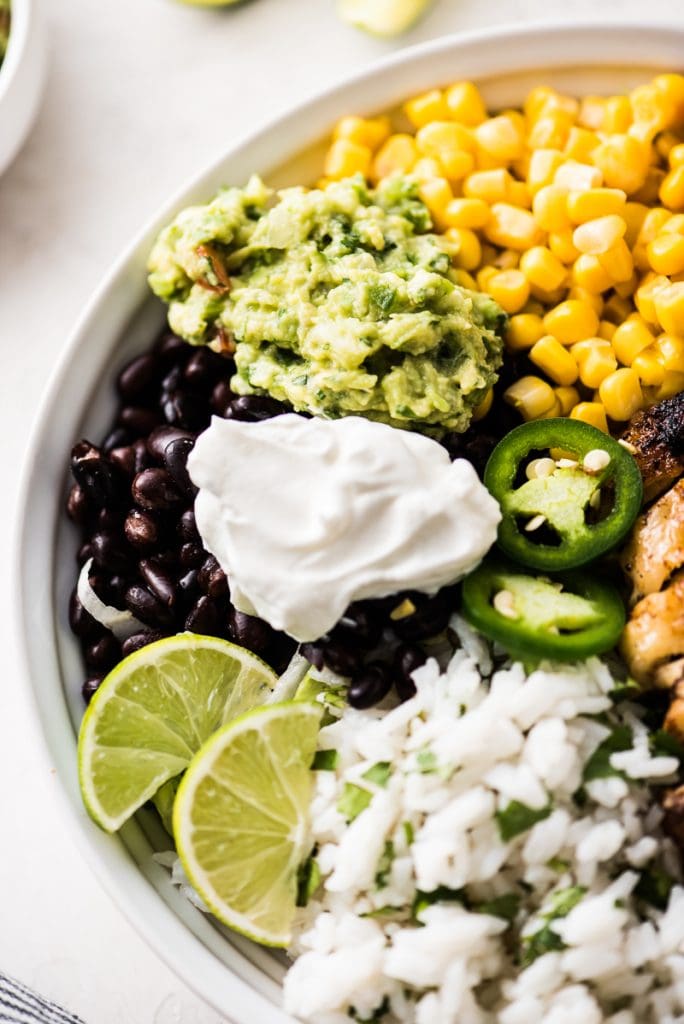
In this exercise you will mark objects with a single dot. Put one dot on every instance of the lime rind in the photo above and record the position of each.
(153, 712)
(240, 818)
(382, 17)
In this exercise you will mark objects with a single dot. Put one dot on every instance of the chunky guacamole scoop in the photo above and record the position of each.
(337, 300)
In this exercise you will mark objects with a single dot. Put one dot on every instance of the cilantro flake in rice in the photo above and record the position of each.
(490, 851)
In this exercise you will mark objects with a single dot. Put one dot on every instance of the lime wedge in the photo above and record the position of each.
(382, 17)
(240, 819)
(154, 711)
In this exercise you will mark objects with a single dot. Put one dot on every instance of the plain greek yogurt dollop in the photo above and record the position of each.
(308, 515)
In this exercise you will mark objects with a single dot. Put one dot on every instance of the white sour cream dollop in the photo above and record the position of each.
(308, 515)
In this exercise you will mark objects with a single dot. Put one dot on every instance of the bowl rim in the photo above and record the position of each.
(640, 41)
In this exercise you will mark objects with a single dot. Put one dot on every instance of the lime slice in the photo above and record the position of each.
(154, 711)
(240, 819)
(382, 17)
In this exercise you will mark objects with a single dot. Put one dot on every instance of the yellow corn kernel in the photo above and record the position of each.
(555, 409)
(551, 130)
(508, 259)
(666, 253)
(465, 104)
(542, 166)
(561, 245)
(675, 225)
(588, 273)
(631, 338)
(465, 248)
(669, 303)
(567, 398)
(672, 385)
(426, 168)
(512, 228)
(591, 298)
(617, 308)
(543, 98)
(621, 394)
(510, 288)
(481, 410)
(595, 359)
(429, 106)
(670, 351)
(523, 331)
(650, 190)
(634, 215)
(672, 189)
(549, 207)
(577, 177)
(623, 161)
(649, 367)
(617, 115)
(627, 288)
(556, 362)
(436, 194)
(531, 397)
(346, 158)
(665, 143)
(652, 225)
(593, 203)
(672, 87)
(437, 135)
(462, 277)
(676, 155)
(581, 144)
(606, 329)
(542, 269)
(397, 154)
(457, 163)
(490, 186)
(502, 138)
(644, 297)
(371, 131)
(484, 276)
(598, 236)
(519, 194)
(591, 111)
(592, 413)
(652, 113)
(535, 308)
(617, 261)
(467, 213)
(571, 321)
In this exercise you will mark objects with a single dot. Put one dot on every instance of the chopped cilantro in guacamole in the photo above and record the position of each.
(338, 300)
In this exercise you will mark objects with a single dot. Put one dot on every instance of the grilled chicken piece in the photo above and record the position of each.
(656, 437)
(654, 635)
(656, 546)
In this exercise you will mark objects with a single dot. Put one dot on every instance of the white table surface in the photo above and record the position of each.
(140, 95)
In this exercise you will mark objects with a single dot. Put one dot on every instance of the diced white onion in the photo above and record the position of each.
(121, 622)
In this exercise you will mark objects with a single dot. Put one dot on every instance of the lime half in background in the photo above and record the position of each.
(154, 711)
(382, 17)
(240, 819)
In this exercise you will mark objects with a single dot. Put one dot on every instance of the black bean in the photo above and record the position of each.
(359, 627)
(199, 369)
(116, 438)
(163, 436)
(84, 553)
(137, 376)
(431, 616)
(279, 653)
(138, 420)
(170, 348)
(176, 458)
(172, 379)
(187, 527)
(192, 555)
(184, 410)
(109, 552)
(204, 617)
(212, 579)
(78, 508)
(138, 640)
(154, 489)
(89, 687)
(82, 623)
(188, 585)
(97, 478)
(140, 529)
(146, 607)
(221, 397)
(252, 408)
(249, 631)
(103, 654)
(108, 519)
(339, 658)
(313, 654)
(124, 459)
(371, 684)
(158, 580)
(407, 658)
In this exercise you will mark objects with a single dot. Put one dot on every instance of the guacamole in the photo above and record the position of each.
(336, 300)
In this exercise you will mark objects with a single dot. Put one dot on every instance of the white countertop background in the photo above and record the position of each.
(140, 95)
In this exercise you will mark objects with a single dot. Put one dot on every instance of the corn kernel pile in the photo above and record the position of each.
(571, 215)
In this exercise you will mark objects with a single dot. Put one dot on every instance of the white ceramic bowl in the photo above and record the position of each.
(21, 77)
(237, 977)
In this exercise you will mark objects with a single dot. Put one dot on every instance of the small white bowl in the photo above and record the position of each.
(236, 976)
(22, 74)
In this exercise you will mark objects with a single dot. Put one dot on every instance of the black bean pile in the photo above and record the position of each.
(132, 502)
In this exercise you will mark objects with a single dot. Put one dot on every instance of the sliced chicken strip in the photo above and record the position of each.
(656, 547)
(654, 634)
(656, 438)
